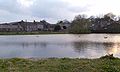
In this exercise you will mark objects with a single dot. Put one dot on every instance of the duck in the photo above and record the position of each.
(105, 37)
(37, 36)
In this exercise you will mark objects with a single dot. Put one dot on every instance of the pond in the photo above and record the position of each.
(59, 45)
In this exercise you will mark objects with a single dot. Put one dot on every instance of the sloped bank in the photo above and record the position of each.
(103, 64)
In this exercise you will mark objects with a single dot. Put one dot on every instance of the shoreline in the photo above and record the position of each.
(30, 33)
(42, 33)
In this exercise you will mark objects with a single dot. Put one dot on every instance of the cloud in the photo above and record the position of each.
(55, 9)
(51, 10)
(26, 3)
(10, 6)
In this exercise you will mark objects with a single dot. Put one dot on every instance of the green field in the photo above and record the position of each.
(106, 64)
(30, 33)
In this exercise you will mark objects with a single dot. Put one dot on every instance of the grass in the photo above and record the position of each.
(30, 33)
(103, 64)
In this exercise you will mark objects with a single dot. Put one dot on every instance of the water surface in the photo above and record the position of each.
(59, 45)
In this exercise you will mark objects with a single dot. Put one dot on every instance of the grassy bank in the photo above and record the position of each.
(46, 32)
(29, 33)
(60, 65)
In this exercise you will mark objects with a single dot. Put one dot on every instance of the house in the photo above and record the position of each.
(21, 26)
(52, 27)
(24, 26)
(10, 27)
(64, 24)
(46, 25)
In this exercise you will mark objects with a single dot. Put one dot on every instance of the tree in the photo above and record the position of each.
(59, 22)
(64, 27)
(57, 28)
(109, 16)
(63, 22)
(80, 24)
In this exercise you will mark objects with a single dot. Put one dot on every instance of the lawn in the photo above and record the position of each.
(104, 64)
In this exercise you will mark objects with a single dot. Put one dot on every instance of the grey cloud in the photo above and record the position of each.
(10, 6)
(78, 9)
(48, 9)
(54, 9)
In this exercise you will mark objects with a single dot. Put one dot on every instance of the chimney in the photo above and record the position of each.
(34, 21)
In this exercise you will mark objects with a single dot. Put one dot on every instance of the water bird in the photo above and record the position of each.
(105, 37)
(111, 55)
(37, 36)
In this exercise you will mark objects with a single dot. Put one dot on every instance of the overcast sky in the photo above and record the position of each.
(54, 10)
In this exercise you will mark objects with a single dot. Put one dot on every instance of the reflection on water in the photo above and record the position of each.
(67, 45)
(90, 50)
(112, 48)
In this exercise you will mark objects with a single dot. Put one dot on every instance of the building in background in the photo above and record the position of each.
(24, 26)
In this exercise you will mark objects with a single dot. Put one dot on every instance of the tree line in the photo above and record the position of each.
(108, 23)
